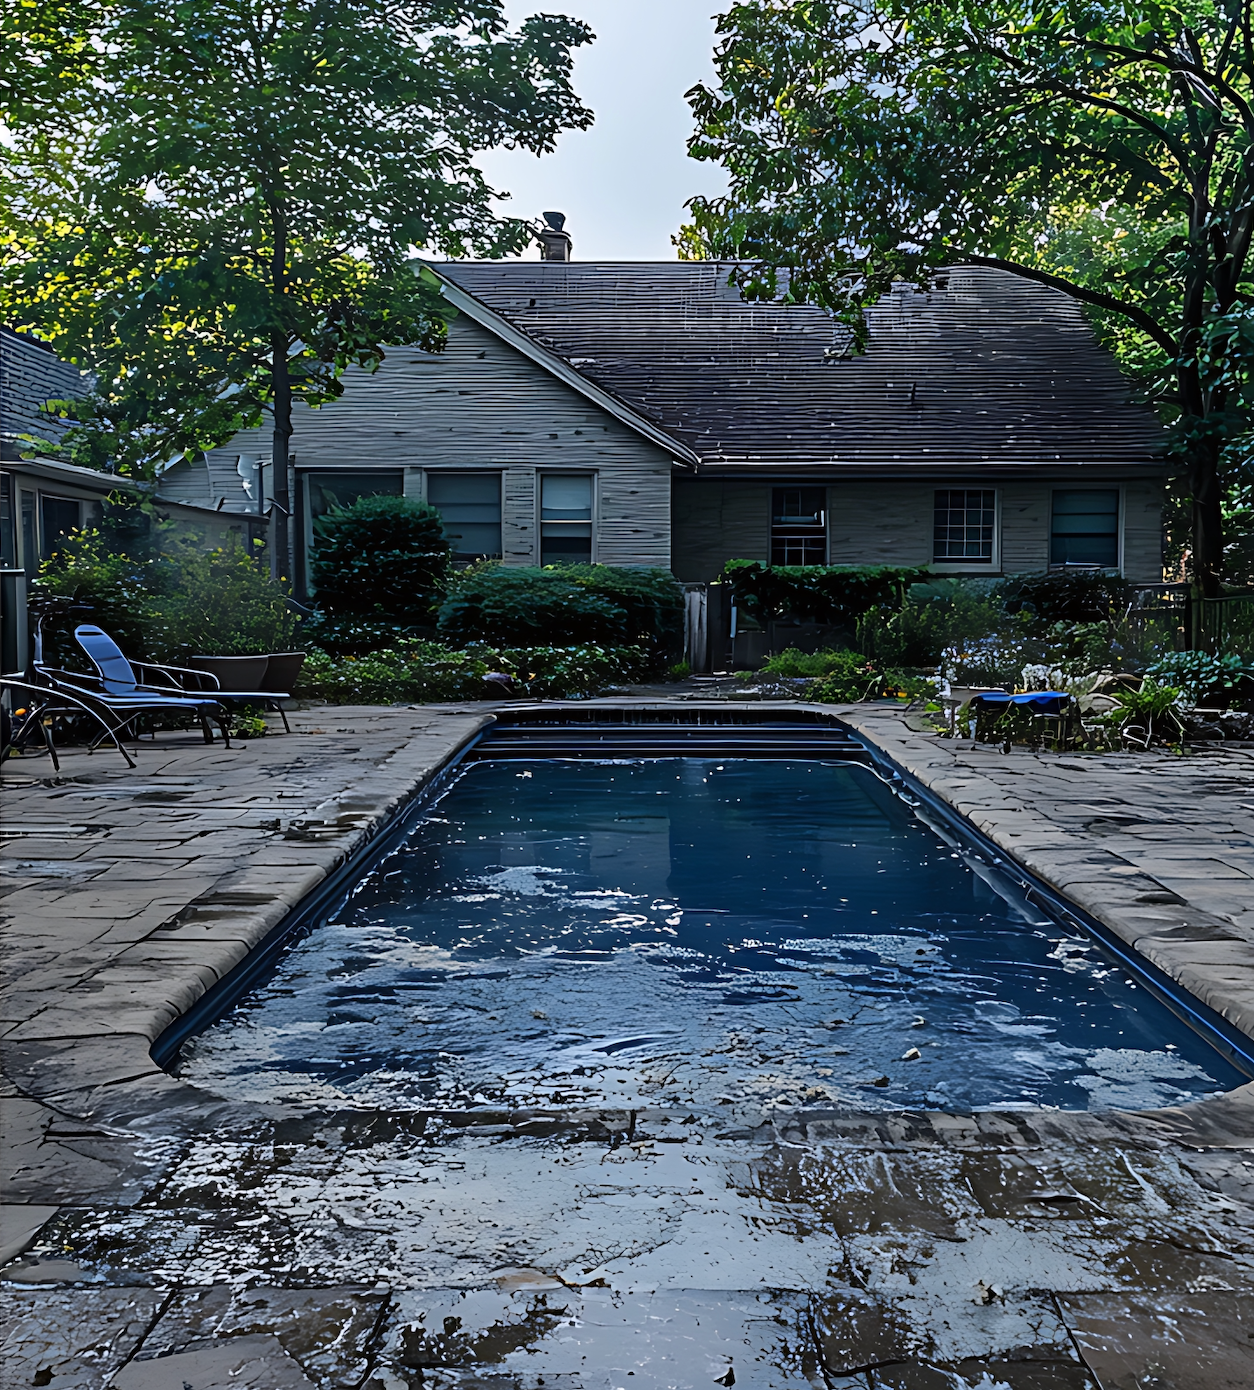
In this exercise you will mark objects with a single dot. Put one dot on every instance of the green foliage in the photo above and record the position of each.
(1103, 150)
(1085, 597)
(213, 206)
(427, 672)
(1151, 707)
(382, 557)
(652, 600)
(351, 636)
(595, 604)
(216, 603)
(845, 677)
(936, 615)
(820, 593)
(1203, 677)
(105, 587)
(186, 602)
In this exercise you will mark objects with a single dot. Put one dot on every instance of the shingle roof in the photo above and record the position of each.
(986, 369)
(30, 375)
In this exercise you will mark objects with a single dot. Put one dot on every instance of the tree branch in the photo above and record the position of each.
(1148, 325)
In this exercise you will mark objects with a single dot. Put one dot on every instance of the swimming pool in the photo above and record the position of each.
(686, 932)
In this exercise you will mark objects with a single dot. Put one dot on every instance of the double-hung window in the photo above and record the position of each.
(798, 526)
(1085, 528)
(565, 518)
(470, 507)
(964, 530)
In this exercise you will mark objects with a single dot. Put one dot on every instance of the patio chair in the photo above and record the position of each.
(35, 709)
(1042, 705)
(117, 697)
(185, 681)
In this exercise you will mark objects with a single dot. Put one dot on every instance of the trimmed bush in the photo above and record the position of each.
(835, 594)
(526, 606)
(1046, 599)
(381, 558)
(427, 672)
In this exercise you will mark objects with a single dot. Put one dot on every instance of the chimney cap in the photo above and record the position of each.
(555, 242)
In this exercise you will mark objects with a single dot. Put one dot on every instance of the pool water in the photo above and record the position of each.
(743, 935)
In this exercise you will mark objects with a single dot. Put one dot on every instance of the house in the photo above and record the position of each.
(43, 498)
(644, 414)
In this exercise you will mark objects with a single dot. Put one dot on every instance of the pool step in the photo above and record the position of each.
(592, 740)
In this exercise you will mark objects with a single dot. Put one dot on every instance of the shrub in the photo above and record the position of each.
(936, 615)
(111, 590)
(532, 606)
(347, 635)
(1082, 597)
(652, 599)
(382, 557)
(820, 593)
(427, 672)
(844, 677)
(217, 603)
(1203, 677)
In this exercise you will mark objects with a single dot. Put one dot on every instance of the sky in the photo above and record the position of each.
(623, 182)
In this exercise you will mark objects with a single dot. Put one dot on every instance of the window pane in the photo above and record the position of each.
(470, 505)
(965, 521)
(1085, 529)
(60, 516)
(565, 497)
(798, 526)
(565, 518)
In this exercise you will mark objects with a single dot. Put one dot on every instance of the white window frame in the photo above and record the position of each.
(971, 567)
(541, 474)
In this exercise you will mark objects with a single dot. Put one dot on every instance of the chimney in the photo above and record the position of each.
(554, 241)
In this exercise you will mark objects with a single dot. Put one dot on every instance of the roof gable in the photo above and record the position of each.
(985, 369)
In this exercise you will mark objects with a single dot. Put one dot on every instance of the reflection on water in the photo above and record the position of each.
(697, 934)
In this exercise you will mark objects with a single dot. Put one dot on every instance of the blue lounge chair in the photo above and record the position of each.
(117, 695)
(108, 659)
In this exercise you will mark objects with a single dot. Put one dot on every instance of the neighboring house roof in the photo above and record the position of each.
(31, 374)
(986, 368)
(70, 476)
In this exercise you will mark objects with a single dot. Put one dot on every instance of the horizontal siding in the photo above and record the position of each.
(1025, 513)
(1143, 531)
(717, 520)
(482, 404)
(873, 523)
(518, 516)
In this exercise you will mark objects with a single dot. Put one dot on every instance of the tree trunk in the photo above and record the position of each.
(1208, 539)
(280, 516)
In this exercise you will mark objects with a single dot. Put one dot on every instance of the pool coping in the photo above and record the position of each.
(1233, 1039)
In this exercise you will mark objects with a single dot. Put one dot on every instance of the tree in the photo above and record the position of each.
(212, 203)
(1101, 149)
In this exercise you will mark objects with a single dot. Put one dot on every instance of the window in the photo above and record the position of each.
(965, 526)
(1085, 529)
(60, 516)
(30, 539)
(319, 492)
(565, 518)
(8, 524)
(470, 506)
(798, 526)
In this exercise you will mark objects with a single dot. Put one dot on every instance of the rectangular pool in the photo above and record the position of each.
(686, 932)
